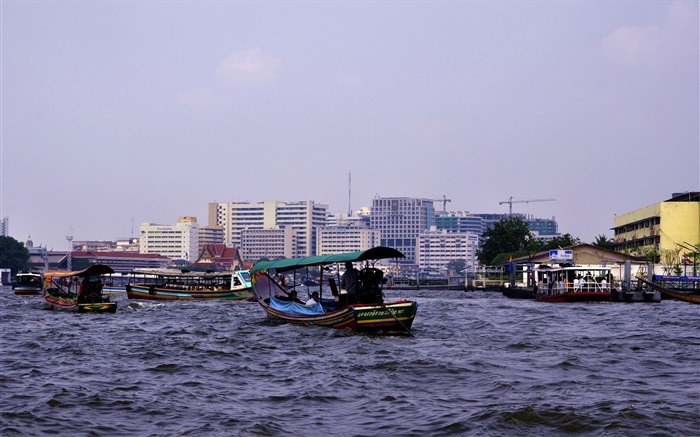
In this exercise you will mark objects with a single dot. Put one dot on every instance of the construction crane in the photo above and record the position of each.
(510, 202)
(444, 201)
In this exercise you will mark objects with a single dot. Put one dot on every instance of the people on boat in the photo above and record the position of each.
(349, 282)
(313, 300)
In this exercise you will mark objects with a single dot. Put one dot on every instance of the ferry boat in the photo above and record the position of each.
(573, 284)
(172, 284)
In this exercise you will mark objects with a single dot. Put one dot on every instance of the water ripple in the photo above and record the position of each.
(479, 364)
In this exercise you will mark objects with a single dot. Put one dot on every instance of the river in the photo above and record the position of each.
(479, 364)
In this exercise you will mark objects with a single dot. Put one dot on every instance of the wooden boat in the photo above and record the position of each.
(28, 284)
(79, 291)
(573, 284)
(171, 284)
(114, 284)
(685, 297)
(369, 315)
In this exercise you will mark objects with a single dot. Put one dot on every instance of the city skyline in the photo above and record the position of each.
(117, 113)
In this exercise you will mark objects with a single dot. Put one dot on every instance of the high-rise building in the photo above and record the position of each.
(346, 238)
(272, 244)
(302, 217)
(400, 220)
(436, 248)
(178, 241)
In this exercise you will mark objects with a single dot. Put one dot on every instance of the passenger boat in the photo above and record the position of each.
(171, 284)
(573, 284)
(369, 315)
(115, 283)
(79, 291)
(28, 284)
(674, 294)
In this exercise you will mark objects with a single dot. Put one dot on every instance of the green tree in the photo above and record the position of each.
(13, 254)
(565, 240)
(510, 236)
(604, 242)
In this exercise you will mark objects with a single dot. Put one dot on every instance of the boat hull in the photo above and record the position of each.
(70, 303)
(576, 296)
(27, 291)
(366, 318)
(154, 293)
(685, 297)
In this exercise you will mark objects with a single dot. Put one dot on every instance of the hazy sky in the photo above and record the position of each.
(118, 113)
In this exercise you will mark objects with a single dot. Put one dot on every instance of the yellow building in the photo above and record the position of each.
(673, 224)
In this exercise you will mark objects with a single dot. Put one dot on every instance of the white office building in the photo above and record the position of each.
(338, 239)
(400, 221)
(302, 217)
(268, 243)
(178, 241)
(436, 248)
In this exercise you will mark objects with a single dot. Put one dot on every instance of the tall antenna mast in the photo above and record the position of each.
(69, 259)
(349, 194)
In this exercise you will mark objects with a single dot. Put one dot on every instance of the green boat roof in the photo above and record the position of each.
(283, 265)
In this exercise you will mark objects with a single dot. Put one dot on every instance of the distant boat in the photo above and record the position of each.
(28, 284)
(172, 284)
(79, 291)
(370, 315)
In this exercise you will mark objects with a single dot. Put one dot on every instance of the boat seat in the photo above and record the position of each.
(334, 286)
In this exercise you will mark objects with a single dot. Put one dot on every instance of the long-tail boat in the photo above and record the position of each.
(686, 297)
(79, 291)
(366, 312)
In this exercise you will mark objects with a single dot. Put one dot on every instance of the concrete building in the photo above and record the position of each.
(178, 241)
(460, 221)
(272, 244)
(302, 217)
(349, 238)
(401, 220)
(672, 224)
(210, 235)
(436, 248)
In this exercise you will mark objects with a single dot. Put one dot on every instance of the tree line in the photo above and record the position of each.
(511, 237)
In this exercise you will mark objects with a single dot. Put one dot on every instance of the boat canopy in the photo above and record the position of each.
(93, 270)
(283, 265)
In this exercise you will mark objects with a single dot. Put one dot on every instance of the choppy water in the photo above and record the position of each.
(479, 364)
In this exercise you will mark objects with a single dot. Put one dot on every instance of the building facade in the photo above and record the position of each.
(178, 241)
(210, 235)
(303, 217)
(436, 248)
(672, 224)
(338, 239)
(269, 243)
(400, 220)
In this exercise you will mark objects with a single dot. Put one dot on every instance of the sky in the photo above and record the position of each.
(115, 113)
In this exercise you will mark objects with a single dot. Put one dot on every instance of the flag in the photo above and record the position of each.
(510, 263)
